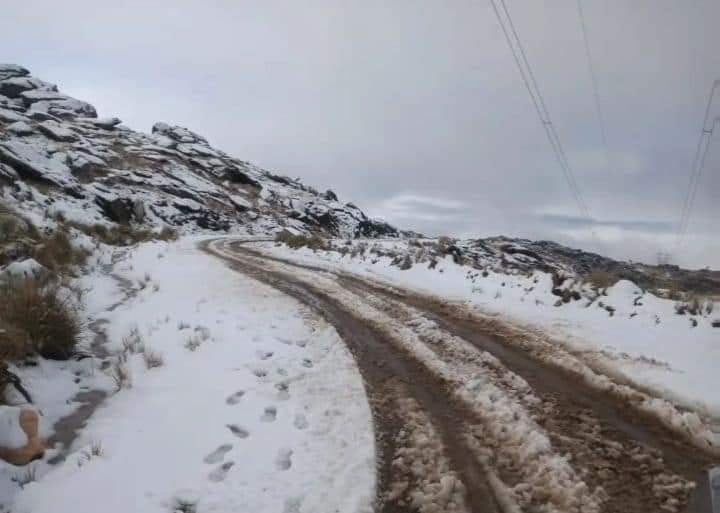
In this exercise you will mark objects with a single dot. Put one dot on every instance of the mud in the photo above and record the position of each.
(634, 463)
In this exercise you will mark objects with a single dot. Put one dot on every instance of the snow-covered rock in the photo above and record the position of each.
(95, 168)
(25, 269)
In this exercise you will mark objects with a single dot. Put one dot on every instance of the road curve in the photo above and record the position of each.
(466, 421)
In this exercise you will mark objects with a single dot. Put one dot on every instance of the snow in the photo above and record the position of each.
(11, 434)
(25, 268)
(258, 405)
(20, 128)
(10, 116)
(57, 131)
(646, 343)
(36, 158)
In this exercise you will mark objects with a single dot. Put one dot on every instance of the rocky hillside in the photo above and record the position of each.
(58, 159)
(526, 256)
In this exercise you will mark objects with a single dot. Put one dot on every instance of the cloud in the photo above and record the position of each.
(375, 99)
(638, 225)
(412, 207)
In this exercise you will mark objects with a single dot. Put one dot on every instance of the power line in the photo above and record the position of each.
(528, 77)
(593, 79)
(698, 164)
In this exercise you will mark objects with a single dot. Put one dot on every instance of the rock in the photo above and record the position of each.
(106, 123)
(20, 442)
(11, 71)
(240, 203)
(330, 195)
(9, 116)
(57, 131)
(31, 161)
(177, 133)
(20, 128)
(139, 211)
(83, 163)
(235, 175)
(42, 116)
(7, 172)
(15, 87)
(65, 108)
(119, 210)
(24, 269)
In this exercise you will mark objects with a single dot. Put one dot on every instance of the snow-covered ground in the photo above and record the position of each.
(644, 339)
(256, 404)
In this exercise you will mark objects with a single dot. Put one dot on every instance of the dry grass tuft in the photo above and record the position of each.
(602, 279)
(41, 316)
(153, 359)
(294, 241)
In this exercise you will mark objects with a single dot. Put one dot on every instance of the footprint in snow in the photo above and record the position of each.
(218, 454)
(292, 505)
(300, 421)
(221, 472)
(307, 362)
(238, 431)
(269, 415)
(282, 461)
(283, 390)
(301, 343)
(264, 355)
(260, 373)
(235, 398)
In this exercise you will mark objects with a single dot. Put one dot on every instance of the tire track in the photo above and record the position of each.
(395, 381)
(633, 463)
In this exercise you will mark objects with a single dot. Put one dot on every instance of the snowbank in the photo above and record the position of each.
(256, 404)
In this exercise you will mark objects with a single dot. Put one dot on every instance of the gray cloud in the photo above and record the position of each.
(577, 222)
(388, 100)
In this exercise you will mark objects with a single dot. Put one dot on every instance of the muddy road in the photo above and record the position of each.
(470, 417)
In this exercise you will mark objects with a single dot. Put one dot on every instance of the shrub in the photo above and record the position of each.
(168, 234)
(120, 374)
(192, 343)
(715, 323)
(602, 279)
(119, 235)
(294, 241)
(153, 359)
(58, 253)
(13, 343)
(42, 314)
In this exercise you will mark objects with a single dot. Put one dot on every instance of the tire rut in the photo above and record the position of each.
(392, 378)
(640, 465)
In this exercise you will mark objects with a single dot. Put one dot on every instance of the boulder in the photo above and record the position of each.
(106, 123)
(16, 86)
(20, 441)
(29, 268)
(235, 175)
(119, 210)
(11, 71)
(177, 133)
(57, 131)
(20, 128)
(32, 161)
(9, 116)
(62, 108)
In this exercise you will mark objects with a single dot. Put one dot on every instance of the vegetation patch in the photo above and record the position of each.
(297, 241)
(39, 315)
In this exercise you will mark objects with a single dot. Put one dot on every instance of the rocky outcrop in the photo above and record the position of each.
(55, 151)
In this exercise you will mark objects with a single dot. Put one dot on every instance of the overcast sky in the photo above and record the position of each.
(414, 110)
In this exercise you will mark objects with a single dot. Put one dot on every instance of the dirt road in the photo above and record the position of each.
(470, 417)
